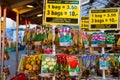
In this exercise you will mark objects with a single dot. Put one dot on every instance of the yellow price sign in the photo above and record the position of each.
(84, 22)
(104, 19)
(62, 12)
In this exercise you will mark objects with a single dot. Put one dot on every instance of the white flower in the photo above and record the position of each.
(52, 59)
(46, 66)
(51, 68)
(47, 59)
(54, 63)
(49, 63)
(43, 63)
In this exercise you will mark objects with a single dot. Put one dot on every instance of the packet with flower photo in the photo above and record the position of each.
(48, 64)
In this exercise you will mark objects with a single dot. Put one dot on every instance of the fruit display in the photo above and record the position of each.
(30, 63)
(48, 64)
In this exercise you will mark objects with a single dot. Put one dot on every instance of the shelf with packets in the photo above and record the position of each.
(59, 65)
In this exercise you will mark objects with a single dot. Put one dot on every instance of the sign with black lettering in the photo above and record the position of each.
(62, 12)
(107, 19)
(84, 22)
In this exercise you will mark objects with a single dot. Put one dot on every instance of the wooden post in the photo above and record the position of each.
(0, 39)
(3, 40)
(0, 30)
(17, 26)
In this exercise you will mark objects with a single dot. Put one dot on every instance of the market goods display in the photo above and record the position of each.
(34, 35)
(65, 36)
(48, 51)
(115, 65)
(89, 63)
(48, 64)
(30, 63)
(6, 71)
(27, 35)
(84, 38)
(104, 61)
(73, 65)
(110, 38)
(6, 55)
(98, 38)
(64, 77)
(118, 42)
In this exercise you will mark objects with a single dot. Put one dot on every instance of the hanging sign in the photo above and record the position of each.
(107, 19)
(104, 61)
(84, 23)
(62, 12)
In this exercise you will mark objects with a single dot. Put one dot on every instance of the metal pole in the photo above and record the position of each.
(0, 39)
(53, 38)
(43, 18)
(3, 40)
(17, 26)
(103, 52)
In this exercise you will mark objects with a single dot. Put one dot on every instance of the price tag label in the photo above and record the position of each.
(107, 19)
(62, 12)
(84, 23)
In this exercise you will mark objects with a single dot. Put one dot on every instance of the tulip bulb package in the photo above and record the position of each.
(110, 39)
(73, 63)
(98, 38)
(104, 61)
(65, 36)
(48, 64)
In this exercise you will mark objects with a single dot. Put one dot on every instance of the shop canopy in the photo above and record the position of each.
(32, 10)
